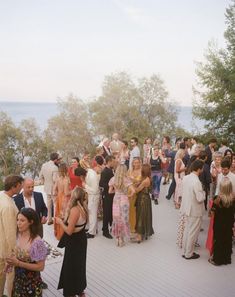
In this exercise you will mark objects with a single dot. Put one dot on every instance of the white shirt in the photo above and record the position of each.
(26, 202)
(92, 182)
(134, 153)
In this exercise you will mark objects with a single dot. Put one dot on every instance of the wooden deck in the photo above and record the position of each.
(150, 269)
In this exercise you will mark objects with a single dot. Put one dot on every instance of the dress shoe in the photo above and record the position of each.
(167, 197)
(156, 201)
(88, 235)
(107, 235)
(194, 256)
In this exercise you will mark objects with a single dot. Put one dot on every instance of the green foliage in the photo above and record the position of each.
(22, 149)
(215, 102)
(131, 109)
(70, 132)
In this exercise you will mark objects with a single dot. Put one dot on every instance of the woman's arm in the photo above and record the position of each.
(144, 184)
(72, 220)
(38, 266)
(178, 165)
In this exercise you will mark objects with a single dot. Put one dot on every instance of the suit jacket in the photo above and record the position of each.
(105, 177)
(48, 175)
(40, 205)
(192, 196)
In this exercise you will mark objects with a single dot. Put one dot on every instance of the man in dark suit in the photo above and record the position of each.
(107, 198)
(29, 198)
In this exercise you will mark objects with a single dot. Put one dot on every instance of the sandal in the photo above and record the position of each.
(212, 262)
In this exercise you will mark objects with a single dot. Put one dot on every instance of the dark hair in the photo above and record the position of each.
(33, 217)
(167, 139)
(197, 164)
(213, 140)
(195, 138)
(54, 156)
(228, 151)
(203, 155)
(182, 145)
(135, 139)
(147, 139)
(79, 171)
(185, 139)
(225, 163)
(178, 139)
(146, 171)
(109, 158)
(12, 181)
(125, 142)
(99, 160)
(76, 158)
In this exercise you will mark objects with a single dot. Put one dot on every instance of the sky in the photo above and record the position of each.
(52, 48)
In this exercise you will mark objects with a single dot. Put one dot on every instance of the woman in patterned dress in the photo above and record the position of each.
(29, 256)
(120, 184)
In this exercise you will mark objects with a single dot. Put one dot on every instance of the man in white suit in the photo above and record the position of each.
(192, 207)
(47, 177)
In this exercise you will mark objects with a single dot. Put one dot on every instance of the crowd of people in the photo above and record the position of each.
(117, 185)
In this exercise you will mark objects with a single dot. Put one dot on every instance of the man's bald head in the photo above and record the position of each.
(28, 186)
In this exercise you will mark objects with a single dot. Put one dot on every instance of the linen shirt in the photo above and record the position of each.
(8, 226)
(192, 196)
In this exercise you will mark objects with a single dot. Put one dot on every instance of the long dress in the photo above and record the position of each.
(144, 214)
(223, 233)
(62, 199)
(132, 200)
(74, 180)
(73, 272)
(28, 283)
(120, 225)
(178, 180)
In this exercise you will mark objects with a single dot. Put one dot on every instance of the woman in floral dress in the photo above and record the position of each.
(29, 256)
(120, 184)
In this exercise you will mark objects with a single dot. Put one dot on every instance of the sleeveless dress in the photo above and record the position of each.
(73, 272)
(28, 283)
(144, 214)
(62, 199)
(179, 182)
(120, 225)
(132, 200)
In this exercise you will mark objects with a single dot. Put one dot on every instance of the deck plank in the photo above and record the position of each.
(152, 268)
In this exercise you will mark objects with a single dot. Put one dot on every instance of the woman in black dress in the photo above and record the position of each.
(223, 210)
(73, 271)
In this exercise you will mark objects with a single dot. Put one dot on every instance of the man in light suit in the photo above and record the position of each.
(192, 207)
(8, 228)
(47, 177)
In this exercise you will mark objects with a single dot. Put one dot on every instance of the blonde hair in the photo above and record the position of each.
(63, 170)
(226, 192)
(119, 176)
(180, 154)
(78, 196)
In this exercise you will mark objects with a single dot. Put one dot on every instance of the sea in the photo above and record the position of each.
(42, 112)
